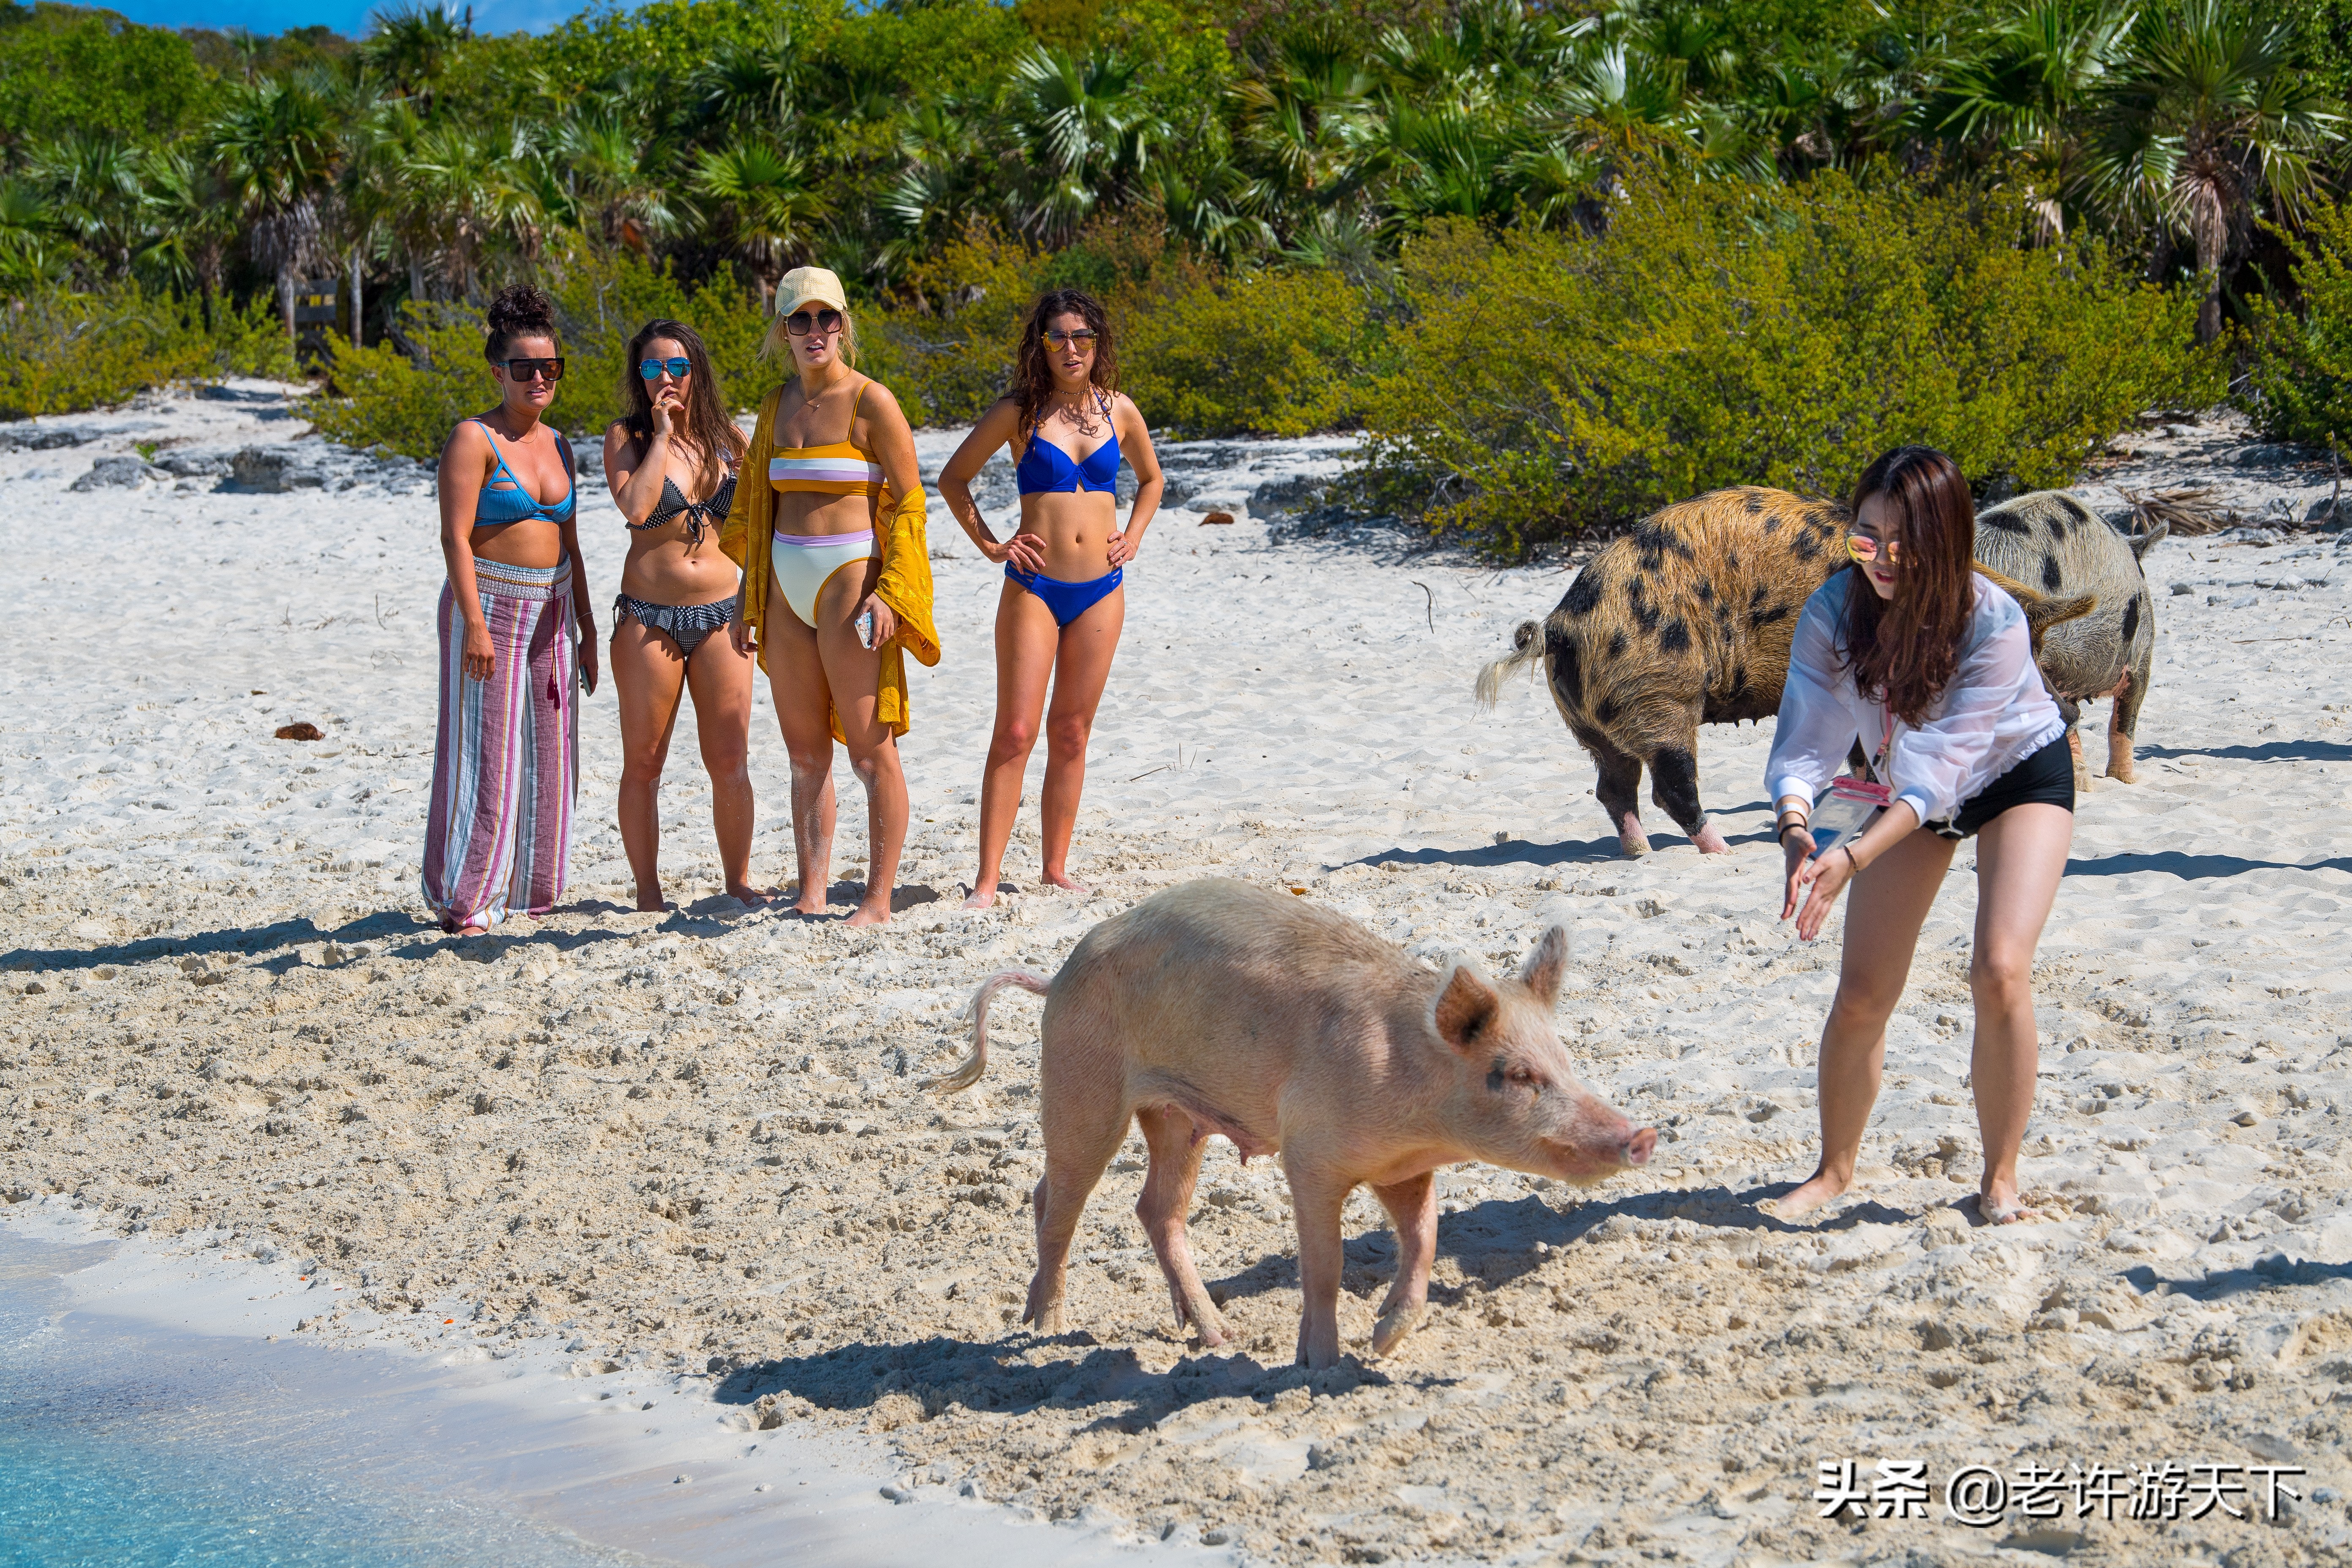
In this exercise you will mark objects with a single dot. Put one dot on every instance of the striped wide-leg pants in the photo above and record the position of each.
(505, 755)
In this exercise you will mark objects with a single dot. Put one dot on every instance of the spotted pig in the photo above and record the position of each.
(1687, 620)
(2052, 541)
(1684, 621)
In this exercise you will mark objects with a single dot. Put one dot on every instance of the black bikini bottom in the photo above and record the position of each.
(685, 624)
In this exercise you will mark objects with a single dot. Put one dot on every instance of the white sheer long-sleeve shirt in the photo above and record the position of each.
(1995, 713)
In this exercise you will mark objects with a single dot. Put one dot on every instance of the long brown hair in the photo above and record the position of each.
(706, 425)
(1033, 378)
(1907, 649)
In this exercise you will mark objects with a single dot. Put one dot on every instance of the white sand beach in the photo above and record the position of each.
(691, 1145)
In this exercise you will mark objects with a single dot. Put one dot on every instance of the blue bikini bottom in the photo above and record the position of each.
(1067, 601)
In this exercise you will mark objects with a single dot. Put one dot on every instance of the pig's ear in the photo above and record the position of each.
(1464, 1012)
(1545, 965)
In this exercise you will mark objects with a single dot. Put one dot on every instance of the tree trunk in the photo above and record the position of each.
(287, 285)
(359, 300)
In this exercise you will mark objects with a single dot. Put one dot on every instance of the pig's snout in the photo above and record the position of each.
(1641, 1146)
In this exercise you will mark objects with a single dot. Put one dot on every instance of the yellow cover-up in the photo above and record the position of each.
(748, 539)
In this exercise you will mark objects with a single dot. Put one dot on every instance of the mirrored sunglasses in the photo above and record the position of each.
(651, 369)
(532, 369)
(800, 323)
(1864, 549)
(1081, 339)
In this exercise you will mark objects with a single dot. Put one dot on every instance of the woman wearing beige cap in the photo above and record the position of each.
(829, 527)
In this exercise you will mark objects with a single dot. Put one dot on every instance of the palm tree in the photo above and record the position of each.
(769, 205)
(1306, 122)
(616, 180)
(275, 145)
(751, 85)
(466, 195)
(28, 234)
(947, 148)
(2208, 120)
(1089, 137)
(190, 221)
(411, 45)
(2025, 93)
(93, 184)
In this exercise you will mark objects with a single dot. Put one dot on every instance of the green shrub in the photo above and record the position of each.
(62, 351)
(2299, 386)
(1725, 333)
(1270, 353)
(407, 402)
(1202, 351)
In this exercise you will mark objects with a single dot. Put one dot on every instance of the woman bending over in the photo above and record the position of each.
(828, 528)
(515, 630)
(670, 462)
(1059, 615)
(1930, 665)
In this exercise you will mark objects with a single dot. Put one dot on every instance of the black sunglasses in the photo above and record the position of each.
(800, 323)
(651, 369)
(526, 369)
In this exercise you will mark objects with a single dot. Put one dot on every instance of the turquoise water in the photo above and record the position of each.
(130, 1449)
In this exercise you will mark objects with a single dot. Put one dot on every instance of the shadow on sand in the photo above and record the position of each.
(1493, 1243)
(406, 934)
(2191, 868)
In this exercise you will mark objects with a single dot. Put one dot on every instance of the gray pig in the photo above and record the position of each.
(2051, 541)
(1220, 1007)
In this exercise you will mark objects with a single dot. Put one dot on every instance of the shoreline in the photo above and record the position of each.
(526, 1430)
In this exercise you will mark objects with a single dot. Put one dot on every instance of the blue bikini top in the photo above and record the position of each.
(1045, 467)
(496, 507)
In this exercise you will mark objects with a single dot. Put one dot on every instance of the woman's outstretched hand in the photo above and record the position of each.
(1817, 881)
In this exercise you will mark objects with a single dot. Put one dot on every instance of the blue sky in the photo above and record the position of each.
(343, 16)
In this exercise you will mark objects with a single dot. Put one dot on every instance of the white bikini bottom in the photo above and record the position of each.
(804, 563)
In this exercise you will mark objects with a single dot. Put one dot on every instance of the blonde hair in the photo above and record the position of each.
(777, 346)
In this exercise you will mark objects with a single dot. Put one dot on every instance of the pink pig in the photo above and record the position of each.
(1220, 1007)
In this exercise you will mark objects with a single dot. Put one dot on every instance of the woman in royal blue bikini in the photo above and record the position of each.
(1059, 616)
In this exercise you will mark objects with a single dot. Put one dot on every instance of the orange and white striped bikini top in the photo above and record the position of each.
(837, 469)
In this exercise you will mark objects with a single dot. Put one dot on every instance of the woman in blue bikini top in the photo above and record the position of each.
(1059, 615)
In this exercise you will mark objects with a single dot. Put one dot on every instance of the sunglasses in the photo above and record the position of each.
(1083, 340)
(530, 369)
(800, 323)
(1864, 549)
(651, 369)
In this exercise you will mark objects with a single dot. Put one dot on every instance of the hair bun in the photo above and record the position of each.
(520, 311)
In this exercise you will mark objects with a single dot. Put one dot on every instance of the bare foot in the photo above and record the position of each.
(869, 915)
(803, 904)
(1709, 841)
(1066, 882)
(981, 899)
(2002, 1206)
(651, 904)
(744, 894)
(474, 927)
(1817, 1189)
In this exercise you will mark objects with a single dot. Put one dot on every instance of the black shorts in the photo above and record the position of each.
(2044, 778)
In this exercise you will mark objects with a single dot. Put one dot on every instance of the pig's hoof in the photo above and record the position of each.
(1634, 845)
(1394, 1324)
(1709, 841)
